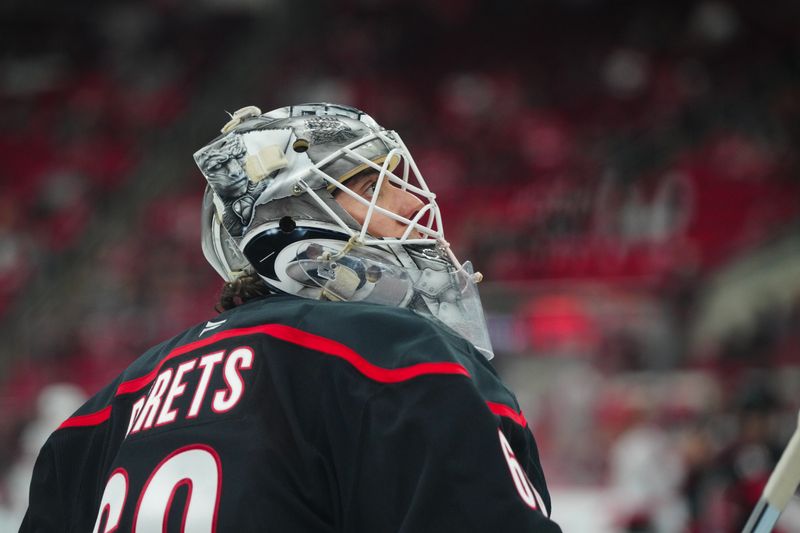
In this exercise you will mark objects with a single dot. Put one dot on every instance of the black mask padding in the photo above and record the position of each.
(263, 249)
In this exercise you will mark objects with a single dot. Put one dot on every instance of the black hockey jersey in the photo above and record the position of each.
(294, 415)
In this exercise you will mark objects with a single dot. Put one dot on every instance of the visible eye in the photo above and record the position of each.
(217, 164)
(369, 192)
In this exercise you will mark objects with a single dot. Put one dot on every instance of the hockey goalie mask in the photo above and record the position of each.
(271, 207)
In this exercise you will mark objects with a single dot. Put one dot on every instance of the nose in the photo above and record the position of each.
(235, 169)
(407, 203)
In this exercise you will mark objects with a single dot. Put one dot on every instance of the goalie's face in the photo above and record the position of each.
(389, 197)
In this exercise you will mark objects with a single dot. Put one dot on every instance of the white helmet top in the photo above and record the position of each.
(269, 208)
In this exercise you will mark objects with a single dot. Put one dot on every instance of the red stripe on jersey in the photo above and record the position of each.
(376, 373)
(504, 410)
(306, 340)
(92, 419)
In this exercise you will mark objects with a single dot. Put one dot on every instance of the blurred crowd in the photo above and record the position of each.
(601, 165)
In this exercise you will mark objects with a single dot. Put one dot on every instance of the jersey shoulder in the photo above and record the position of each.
(385, 343)
(384, 335)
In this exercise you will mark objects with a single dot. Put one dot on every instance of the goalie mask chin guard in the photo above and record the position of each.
(270, 208)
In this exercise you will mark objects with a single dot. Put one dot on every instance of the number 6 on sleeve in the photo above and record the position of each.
(524, 487)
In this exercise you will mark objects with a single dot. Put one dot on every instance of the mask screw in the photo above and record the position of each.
(373, 273)
(297, 189)
(300, 145)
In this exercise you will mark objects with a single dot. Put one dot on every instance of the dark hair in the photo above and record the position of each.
(235, 293)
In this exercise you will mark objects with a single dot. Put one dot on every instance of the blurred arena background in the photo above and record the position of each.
(625, 175)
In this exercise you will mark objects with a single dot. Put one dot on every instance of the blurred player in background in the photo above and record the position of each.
(346, 384)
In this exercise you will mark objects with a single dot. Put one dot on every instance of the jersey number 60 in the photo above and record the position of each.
(197, 466)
